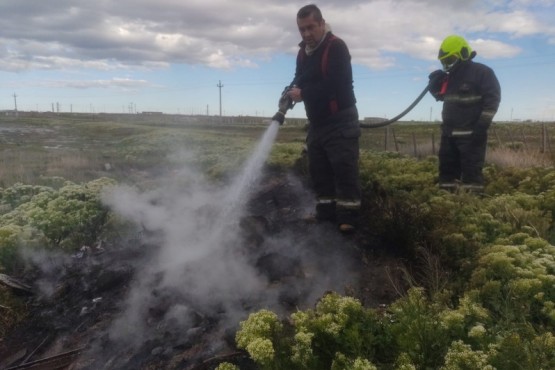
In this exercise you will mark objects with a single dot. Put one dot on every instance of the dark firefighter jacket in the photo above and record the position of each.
(470, 98)
(326, 80)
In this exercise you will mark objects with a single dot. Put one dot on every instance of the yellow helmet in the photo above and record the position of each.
(453, 49)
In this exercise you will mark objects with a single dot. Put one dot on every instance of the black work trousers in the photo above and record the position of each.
(333, 155)
(461, 159)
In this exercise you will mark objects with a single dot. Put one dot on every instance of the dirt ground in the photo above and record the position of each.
(69, 328)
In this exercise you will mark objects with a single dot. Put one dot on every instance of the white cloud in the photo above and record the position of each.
(518, 23)
(222, 34)
(490, 49)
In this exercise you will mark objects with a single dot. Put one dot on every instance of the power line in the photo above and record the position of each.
(219, 85)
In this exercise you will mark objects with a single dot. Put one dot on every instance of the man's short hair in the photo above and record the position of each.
(309, 10)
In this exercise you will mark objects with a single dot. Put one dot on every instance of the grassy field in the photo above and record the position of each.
(480, 268)
(82, 147)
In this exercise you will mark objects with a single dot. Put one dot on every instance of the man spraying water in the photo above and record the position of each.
(324, 82)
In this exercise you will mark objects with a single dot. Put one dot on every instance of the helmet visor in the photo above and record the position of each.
(449, 62)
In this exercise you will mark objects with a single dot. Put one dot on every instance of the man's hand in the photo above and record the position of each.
(289, 97)
(285, 103)
(296, 94)
(436, 77)
(484, 122)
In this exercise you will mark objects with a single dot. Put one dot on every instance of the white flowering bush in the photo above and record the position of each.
(342, 362)
(338, 334)
(516, 280)
(340, 325)
(404, 362)
(495, 306)
(14, 196)
(38, 216)
(302, 351)
(262, 324)
(528, 350)
(262, 351)
(226, 366)
(260, 335)
(461, 356)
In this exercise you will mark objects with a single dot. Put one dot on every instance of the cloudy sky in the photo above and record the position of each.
(170, 55)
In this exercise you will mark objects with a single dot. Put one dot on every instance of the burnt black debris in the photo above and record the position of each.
(71, 322)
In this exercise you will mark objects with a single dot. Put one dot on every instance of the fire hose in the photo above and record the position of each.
(400, 115)
(286, 103)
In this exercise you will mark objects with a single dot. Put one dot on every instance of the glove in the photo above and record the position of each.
(483, 123)
(437, 74)
(436, 78)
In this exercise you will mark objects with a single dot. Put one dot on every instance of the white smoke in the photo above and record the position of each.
(196, 227)
(201, 265)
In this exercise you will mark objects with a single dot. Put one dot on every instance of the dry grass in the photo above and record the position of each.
(421, 150)
(16, 166)
(501, 156)
(27, 167)
(65, 163)
(520, 158)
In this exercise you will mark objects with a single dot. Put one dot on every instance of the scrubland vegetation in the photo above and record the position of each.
(481, 268)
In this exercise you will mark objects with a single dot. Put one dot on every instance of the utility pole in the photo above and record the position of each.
(15, 101)
(219, 85)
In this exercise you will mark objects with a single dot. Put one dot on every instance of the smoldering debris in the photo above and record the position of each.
(173, 295)
(159, 303)
(222, 265)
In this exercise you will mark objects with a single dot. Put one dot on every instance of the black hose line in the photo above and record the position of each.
(399, 116)
(280, 115)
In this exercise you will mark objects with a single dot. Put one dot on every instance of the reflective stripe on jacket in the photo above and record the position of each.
(471, 98)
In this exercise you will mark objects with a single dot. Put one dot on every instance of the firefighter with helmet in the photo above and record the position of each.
(471, 94)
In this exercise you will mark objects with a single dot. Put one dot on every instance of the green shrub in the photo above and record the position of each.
(517, 281)
(337, 325)
(13, 196)
(338, 334)
(9, 244)
(262, 336)
(66, 218)
(461, 356)
(226, 366)
(418, 331)
(516, 351)
(495, 308)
